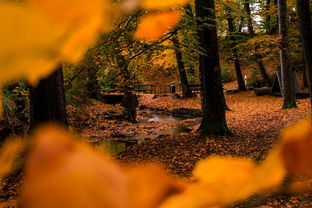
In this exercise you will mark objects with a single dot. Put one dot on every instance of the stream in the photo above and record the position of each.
(163, 118)
(115, 147)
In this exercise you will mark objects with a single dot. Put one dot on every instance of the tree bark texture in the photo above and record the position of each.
(47, 101)
(239, 75)
(93, 88)
(189, 13)
(186, 90)
(264, 74)
(271, 23)
(288, 89)
(130, 101)
(268, 17)
(251, 33)
(212, 97)
(249, 19)
(304, 13)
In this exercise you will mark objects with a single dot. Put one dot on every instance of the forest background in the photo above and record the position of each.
(139, 43)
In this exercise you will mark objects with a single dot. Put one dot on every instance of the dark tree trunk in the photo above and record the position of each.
(125, 75)
(186, 90)
(304, 13)
(249, 19)
(130, 100)
(274, 26)
(239, 75)
(264, 74)
(47, 101)
(251, 33)
(305, 81)
(92, 85)
(238, 71)
(212, 97)
(288, 89)
(268, 17)
(189, 13)
(271, 23)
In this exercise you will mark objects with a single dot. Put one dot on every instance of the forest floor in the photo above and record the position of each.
(174, 142)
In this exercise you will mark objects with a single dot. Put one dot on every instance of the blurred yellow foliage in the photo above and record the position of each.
(150, 185)
(164, 4)
(34, 41)
(153, 26)
(62, 171)
(8, 155)
(296, 148)
(37, 35)
(224, 180)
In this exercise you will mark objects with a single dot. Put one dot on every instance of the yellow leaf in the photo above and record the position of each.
(162, 4)
(82, 19)
(145, 191)
(220, 181)
(197, 195)
(213, 168)
(76, 10)
(29, 44)
(230, 178)
(153, 26)
(301, 186)
(296, 148)
(271, 172)
(62, 172)
(38, 36)
(223, 180)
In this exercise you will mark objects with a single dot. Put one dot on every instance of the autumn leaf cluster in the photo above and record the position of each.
(38, 35)
(62, 171)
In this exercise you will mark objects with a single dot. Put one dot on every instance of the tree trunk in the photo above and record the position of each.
(271, 23)
(288, 89)
(274, 28)
(249, 19)
(212, 97)
(189, 13)
(268, 17)
(239, 75)
(130, 101)
(304, 13)
(47, 101)
(264, 74)
(92, 85)
(260, 64)
(186, 90)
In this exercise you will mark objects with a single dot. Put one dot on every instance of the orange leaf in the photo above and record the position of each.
(145, 191)
(162, 4)
(62, 172)
(296, 148)
(153, 26)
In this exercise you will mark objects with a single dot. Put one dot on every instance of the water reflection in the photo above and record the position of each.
(163, 118)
